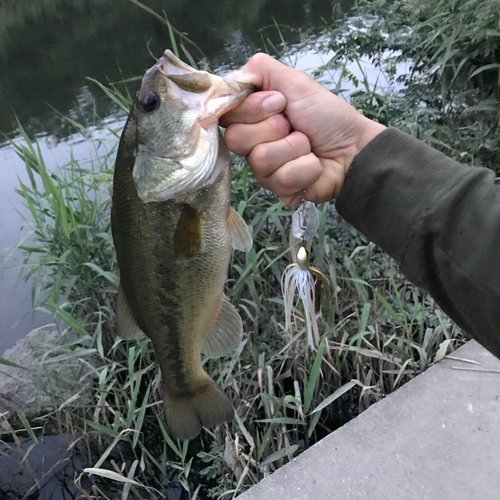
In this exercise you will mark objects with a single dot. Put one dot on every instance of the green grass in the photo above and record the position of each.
(384, 331)
(450, 95)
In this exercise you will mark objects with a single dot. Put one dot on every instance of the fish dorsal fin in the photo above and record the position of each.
(239, 233)
(125, 323)
(226, 333)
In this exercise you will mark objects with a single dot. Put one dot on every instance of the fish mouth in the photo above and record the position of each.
(220, 94)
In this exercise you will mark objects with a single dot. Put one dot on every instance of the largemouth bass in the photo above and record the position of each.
(173, 229)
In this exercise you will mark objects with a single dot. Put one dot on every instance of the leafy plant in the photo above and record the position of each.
(383, 332)
(449, 94)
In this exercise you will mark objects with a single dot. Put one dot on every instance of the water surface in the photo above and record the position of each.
(48, 48)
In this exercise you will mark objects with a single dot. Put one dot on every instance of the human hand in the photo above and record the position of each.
(298, 137)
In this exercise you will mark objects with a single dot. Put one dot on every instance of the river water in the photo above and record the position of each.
(48, 49)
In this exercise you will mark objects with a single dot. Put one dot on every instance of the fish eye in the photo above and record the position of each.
(150, 100)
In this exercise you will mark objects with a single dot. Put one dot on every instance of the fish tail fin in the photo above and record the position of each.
(186, 415)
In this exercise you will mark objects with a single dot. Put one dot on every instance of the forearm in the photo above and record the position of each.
(439, 219)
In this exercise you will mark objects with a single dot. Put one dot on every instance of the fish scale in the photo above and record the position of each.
(173, 228)
(176, 285)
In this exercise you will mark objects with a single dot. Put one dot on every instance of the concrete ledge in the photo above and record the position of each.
(436, 438)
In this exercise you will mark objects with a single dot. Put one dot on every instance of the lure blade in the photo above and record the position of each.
(305, 221)
(302, 280)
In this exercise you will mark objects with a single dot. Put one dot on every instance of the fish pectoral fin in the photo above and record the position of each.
(125, 323)
(239, 233)
(187, 237)
(226, 333)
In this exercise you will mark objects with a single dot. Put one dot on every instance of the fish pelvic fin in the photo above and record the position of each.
(125, 323)
(186, 415)
(239, 232)
(226, 333)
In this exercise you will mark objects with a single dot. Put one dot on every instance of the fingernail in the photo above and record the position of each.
(275, 102)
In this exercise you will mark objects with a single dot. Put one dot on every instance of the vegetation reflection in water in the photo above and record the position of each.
(385, 331)
(48, 48)
(50, 51)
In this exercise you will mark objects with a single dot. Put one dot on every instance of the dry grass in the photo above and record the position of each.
(379, 332)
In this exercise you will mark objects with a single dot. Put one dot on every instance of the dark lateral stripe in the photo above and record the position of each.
(169, 347)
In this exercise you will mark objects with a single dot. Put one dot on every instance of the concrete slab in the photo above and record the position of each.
(436, 438)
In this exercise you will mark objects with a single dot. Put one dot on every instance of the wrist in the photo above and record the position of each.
(369, 130)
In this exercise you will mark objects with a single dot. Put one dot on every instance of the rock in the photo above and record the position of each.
(44, 385)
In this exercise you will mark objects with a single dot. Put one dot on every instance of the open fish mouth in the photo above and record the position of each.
(221, 94)
(184, 104)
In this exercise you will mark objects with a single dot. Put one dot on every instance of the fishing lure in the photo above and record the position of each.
(301, 278)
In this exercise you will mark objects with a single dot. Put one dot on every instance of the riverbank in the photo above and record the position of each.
(437, 437)
(33, 383)
(382, 333)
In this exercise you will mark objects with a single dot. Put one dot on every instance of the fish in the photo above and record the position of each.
(174, 230)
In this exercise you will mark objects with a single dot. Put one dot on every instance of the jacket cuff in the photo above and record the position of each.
(390, 187)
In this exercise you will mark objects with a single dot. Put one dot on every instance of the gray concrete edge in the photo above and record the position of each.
(437, 437)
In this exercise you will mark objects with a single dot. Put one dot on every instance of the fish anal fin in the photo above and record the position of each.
(187, 237)
(125, 323)
(239, 232)
(226, 333)
(186, 415)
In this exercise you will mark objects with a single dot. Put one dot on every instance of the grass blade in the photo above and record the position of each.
(313, 377)
(332, 397)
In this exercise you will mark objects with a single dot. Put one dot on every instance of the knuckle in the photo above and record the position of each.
(280, 125)
(288, 200)
(259, 59)
(285, 181)
(259, 156)
(264, 182)
(300, 143)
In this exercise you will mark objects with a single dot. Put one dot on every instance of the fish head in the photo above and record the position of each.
(176, 115)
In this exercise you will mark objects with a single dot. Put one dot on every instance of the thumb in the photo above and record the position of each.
(267, 73)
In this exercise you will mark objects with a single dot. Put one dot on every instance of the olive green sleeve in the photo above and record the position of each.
(439, 219)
